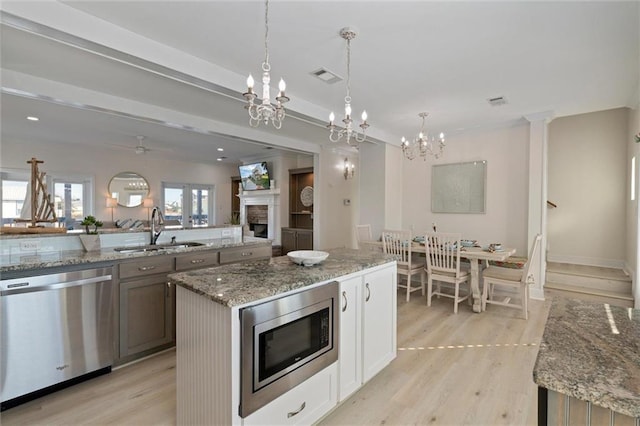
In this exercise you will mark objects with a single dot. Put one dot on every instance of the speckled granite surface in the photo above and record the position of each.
(242, 283)
(592, 353)
(16, 264)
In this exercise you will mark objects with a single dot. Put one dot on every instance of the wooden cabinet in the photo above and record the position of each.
(367, 327)
(200, 259)
(146, 302)
(299, 234)
(235, 200)
(296, 239)
(146, 307)
(303, 405)
(350, 349)
(241, 254)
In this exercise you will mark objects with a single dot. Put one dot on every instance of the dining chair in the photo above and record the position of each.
(443, 266)
(496, 276)
(398, 243)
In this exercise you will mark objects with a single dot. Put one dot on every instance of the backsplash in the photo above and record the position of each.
(24, 246)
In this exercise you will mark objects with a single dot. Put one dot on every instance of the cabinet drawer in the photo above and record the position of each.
(147, 266)
(197, 260)
(302, 405)
(244, 253)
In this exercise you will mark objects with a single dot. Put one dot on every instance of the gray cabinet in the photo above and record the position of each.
(241, 254)
(296, 239)
(146, 307)
(145, 316)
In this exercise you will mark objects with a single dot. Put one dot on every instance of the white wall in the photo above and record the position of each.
(392, 185)
(372, 187)
(505, 220)
(588, 181)
(104, 163)
(336, 219)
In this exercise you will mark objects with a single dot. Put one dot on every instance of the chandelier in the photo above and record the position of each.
(265, 110)
(348, 132)
(423, 144)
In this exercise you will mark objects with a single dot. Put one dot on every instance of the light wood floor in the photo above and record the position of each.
(451, 369)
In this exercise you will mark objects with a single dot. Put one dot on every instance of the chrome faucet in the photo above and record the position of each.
(157, 224)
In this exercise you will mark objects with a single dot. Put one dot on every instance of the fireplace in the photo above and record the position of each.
(260, 210)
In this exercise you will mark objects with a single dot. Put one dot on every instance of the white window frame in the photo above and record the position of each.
(187, 201)
(87, 182)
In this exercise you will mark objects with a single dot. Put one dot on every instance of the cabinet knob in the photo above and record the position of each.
(293, 413)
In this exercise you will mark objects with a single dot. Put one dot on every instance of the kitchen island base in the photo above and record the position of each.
(208, 352)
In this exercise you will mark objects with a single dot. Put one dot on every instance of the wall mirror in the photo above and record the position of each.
(459, 187)
(129, 188)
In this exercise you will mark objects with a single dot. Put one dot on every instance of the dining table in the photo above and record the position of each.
(473, 254)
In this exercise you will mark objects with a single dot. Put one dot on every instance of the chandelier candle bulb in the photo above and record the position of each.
(250, 83)
(364, 116)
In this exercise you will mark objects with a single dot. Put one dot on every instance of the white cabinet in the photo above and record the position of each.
(350, 349)
(303, 405)
(367, 327)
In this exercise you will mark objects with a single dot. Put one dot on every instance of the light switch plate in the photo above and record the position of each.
(31, 245)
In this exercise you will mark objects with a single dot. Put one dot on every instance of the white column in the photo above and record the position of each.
(537, 221)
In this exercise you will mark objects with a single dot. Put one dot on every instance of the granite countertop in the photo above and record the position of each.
(591, 351)
(16, 264)
(241, 283)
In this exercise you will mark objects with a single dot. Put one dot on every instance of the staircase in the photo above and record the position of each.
(592, 283)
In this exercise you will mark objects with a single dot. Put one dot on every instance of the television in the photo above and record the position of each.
(254, 176)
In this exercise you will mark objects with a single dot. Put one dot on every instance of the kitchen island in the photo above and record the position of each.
(588, 365)
(209, 355)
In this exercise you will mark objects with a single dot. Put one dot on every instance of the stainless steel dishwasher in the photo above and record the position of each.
(56, 330)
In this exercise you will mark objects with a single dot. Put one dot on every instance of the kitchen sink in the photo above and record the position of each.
(157, 247)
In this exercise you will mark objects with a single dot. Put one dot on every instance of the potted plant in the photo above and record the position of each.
(90, 240)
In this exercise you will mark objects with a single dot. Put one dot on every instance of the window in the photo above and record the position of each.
(14, 193)
(190, 204)
(71, 196)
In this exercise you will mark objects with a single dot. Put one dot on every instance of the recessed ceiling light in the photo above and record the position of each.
(32, 118)
(220, 149)
(221, 158)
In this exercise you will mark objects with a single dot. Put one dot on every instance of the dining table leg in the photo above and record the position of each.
(475, 285)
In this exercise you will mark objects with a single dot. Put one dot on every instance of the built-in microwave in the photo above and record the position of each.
(285, 341)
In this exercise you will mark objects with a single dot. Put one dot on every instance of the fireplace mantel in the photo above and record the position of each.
(269, 198)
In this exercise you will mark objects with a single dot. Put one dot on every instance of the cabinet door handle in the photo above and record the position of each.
(346, 303)
(368, 292)
(247, 254)
(146, 268)
(293, 413)
(194, 261)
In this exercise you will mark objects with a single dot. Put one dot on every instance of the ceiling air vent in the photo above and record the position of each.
(500, 100)
(326, 76)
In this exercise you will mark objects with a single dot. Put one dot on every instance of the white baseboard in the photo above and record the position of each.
(536, 293)
(634, 284)
(588, 261)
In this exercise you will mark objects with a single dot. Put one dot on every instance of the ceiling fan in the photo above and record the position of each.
(140, 148)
